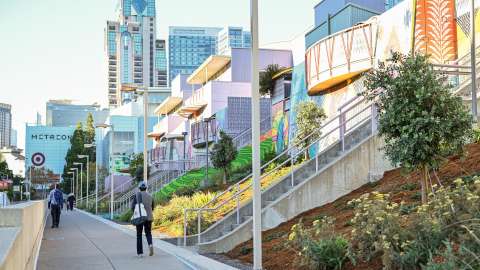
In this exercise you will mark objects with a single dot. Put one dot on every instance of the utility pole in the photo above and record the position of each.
(257, 199)
(473, 61)
(145, 135)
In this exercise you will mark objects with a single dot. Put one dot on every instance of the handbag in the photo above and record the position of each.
(139, 213)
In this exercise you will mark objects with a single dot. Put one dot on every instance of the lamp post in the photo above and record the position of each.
(473, 61)
(137, 90)
(184, 149)
(81, 178)
(111, 165)
(96, 177)
(207, 120)
(257, 200)
(72, 188)
(75, 175)
(88, 177)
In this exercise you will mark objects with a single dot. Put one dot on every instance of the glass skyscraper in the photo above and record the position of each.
(161, 63)
(5, 124)
(190, 46)
(131, 46)
(391, 3)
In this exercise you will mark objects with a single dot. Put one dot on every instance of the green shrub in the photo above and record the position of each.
(125, 216)
(319, 247)
(409, 186)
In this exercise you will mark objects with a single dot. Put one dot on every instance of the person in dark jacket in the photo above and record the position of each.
(55, 204)
(147, 201)
(71, 200)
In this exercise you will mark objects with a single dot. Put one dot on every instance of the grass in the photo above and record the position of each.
(192, 179)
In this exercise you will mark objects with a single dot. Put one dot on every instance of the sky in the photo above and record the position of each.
(54, 49)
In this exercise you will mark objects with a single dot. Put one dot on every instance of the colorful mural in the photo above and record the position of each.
(435, 29)
(280, 130)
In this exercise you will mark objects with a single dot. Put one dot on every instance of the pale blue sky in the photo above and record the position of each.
(54, 49)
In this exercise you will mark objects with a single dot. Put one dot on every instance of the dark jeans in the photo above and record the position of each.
(55, 211)
(70, 205)
(148, 233)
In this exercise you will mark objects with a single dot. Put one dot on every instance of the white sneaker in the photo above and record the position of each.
(140, 256)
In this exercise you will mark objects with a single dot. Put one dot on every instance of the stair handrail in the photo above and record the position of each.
(236, 196)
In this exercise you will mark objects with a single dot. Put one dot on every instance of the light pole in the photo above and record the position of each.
(184, 149)
(73, 182)
(473, 61)
(257, 199)
(137, 90)
(207, 120)
(111, 164)
(81, 178)
(88, 177)
(96, 177)
(75, 175)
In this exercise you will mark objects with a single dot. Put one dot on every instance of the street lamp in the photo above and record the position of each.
(207, 120)
(75, 175)
(81, 178)
(88, 177)
(111, 164)
(89, 145)
(257, 199)
(72, 188)
(184, 149)
(138, 89)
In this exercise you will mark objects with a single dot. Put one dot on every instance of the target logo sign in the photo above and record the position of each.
(38, 159)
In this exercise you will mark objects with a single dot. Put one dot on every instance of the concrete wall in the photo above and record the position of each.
(21, 231)
(357, 167)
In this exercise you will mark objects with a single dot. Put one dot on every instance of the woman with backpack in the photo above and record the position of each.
(142, 207)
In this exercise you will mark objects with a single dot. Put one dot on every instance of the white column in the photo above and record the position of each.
(111, 171)
(145, 135)
(257, 199)
(473, 61)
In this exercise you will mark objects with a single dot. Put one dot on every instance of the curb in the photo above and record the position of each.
(190, 258)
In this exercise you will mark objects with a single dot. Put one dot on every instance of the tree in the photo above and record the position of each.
(89, 137)
(267, 83)
(76, 148)
(223, 153)
(420, 119)
(136, 167)
(309, 121)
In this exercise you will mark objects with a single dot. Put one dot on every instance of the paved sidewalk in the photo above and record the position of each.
(83, 242)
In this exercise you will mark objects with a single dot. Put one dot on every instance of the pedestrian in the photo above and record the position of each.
(55, 204)
(147, 201)
(70, 201)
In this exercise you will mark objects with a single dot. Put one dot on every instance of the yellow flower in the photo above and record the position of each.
(292, 236)
(458, 181)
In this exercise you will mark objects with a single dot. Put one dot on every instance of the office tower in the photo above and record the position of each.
(13, 138)
(233, 37)
(130, 46)
(5, 124)
(161, 63)
(391, 3)
(63, 113)
(189, 47)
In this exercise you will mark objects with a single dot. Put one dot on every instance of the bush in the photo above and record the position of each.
(126, 216)
(170, 216)
(319, 247)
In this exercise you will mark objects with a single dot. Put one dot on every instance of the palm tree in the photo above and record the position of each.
(267, 83)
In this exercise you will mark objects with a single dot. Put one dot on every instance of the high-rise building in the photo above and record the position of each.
(131, 47)
(13, 138)
(5, 124)
(391, 3)
(189, 47)
(161, 63)
(63, 113)
(233, 37)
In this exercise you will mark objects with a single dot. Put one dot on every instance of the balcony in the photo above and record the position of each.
(198, 132)
(340, 58)
(169, 125)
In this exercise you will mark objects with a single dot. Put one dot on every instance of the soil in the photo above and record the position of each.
(402, 187)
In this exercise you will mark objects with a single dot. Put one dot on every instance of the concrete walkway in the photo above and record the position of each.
(83, 242)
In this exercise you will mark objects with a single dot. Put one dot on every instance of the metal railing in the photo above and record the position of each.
(351, 115)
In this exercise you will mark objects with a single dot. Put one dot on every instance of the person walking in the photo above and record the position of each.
(70, 201)
(55, 204)
(142, 197)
